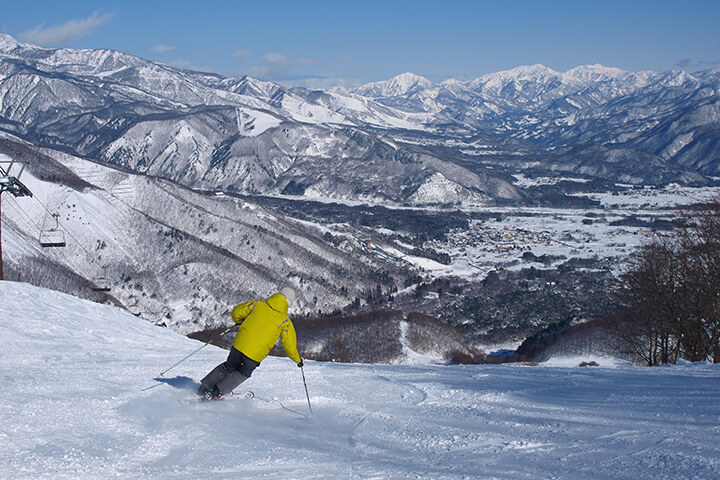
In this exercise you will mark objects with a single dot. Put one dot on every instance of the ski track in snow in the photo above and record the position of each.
(74, 407)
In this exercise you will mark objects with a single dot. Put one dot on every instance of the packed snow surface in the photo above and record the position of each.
(79, 402)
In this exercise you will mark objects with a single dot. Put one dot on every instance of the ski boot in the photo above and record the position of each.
(207, 395)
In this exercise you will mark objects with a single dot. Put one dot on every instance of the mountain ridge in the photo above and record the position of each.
(103, 95)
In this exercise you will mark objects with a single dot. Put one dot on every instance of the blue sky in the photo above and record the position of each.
(323, 43)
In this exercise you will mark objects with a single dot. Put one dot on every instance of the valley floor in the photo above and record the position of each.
(73, 406)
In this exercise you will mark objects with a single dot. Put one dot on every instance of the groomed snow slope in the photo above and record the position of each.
(73, 407)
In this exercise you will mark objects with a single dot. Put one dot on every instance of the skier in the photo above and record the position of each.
(261, 324)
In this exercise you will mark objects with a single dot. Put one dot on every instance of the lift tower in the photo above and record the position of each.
(10, 172)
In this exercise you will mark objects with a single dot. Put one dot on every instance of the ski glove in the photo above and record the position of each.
(300, 363)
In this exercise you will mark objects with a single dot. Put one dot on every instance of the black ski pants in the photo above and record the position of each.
(232, 372)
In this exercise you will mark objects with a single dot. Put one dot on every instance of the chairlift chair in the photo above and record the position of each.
(102, 283)
(52, 237)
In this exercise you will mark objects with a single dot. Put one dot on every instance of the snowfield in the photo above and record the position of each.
(78, 401)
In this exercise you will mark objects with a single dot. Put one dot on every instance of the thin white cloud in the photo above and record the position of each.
(162, 48)
(690, 64)
(241, 54)
(306, 61)
(274, 58)
(188, 65)
(68, 32)
(268, 72)
(321, 83)
(277, 66)
(182, 64)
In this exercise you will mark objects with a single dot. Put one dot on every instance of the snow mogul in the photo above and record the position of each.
(261, 324)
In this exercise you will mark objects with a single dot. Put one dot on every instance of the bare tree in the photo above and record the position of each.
(646, 327)
(700, 244)
(672, 292)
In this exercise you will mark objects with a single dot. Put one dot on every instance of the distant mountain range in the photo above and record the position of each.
(405, 141)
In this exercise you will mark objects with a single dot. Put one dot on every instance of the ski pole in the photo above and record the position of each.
(302, 370)
(196, 351)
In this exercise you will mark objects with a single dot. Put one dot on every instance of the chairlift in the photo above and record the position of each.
(52, 237)
(11, 183)
(102, 283)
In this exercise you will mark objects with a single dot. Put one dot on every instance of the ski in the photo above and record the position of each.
(235, 396)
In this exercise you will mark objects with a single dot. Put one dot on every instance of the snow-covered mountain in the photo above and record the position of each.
(172, 255)
(245, 135)
(404, 84)
(655, 113)
(207, 131)
(82, 398)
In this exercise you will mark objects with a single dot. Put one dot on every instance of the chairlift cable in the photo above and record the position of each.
(26, 215)
(68, 261)
(65, 230)
(90, 256)
(62, 254)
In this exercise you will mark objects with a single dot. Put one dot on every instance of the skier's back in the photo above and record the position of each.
(262, 323)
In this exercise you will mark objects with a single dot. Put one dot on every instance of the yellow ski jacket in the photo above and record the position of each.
(261, 324)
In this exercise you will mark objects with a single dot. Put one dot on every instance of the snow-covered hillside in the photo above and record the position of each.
(199, 251)
(76, 404)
